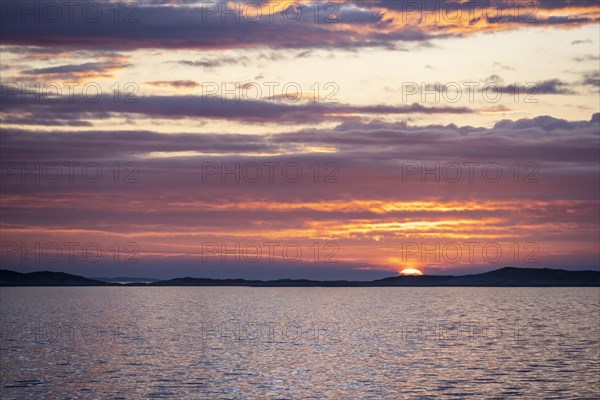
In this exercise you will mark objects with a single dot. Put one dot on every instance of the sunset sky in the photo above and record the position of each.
(450, 136)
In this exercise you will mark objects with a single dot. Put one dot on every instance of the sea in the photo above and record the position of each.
(299, 343)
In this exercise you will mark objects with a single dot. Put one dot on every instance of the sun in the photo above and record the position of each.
(411, 272)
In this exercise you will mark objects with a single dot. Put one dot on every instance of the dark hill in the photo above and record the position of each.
(187, 281)
(510, 276)
(45, 278)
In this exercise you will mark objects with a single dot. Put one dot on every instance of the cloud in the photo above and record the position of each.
(549, 86)
(198, 28)
(206, 26)
(304, 54)
(209, 63)
(501, 109)
(547, 123)
(592, 79)
(542, 138)
(503, 67)
(100, 69)
(369, 211)
(179, 84)
(494, 78)
(38, 53)
(589, 57)
(200, 107)
(496, 84)
(553, 86)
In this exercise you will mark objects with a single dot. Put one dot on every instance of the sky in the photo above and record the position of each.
(321, 140)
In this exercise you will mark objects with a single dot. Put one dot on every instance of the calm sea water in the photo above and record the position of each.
(299, 343)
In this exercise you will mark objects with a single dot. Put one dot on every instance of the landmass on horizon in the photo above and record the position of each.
(503, 277)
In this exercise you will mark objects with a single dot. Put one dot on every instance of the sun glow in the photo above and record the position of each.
(411, 271)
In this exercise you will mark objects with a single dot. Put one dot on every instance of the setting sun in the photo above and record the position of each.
(410, 271)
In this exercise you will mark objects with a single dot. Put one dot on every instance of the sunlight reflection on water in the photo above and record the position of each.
(297, 343)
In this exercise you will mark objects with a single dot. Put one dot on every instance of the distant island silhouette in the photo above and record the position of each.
(503, 277)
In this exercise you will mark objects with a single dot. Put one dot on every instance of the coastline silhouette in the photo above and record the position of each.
(503, 277)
